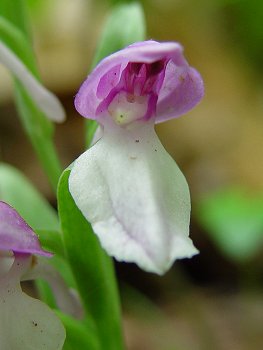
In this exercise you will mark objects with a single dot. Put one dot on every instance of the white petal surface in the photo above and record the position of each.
(45, 100)
(26, 323)
(135, 197)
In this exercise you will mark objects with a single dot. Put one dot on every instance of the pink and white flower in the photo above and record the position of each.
(25, 322)
(126, 185)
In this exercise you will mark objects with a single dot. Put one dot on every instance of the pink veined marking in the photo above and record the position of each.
(137, 79)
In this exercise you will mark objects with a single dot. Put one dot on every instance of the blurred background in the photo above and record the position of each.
(214, 300)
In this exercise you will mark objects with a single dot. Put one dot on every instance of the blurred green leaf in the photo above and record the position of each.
(234, 221)
(45, 293)
(38, 5)
(51, 241)
(124, 26)
(63, 267)
(92, 268)
(244, 27)
(35, 122)
(17, 42)
(90, 127)
(79, 335)
(13, 33)
(16, 190)
(39, 133)
(15, 12)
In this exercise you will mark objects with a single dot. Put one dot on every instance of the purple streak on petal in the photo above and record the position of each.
(108, 81)
(16, 235)
(151, 110)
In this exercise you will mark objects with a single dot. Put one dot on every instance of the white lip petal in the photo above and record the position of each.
(26, 323)
(135, 197)
(45, 100)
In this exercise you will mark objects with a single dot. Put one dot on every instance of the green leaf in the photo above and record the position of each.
(64, 268)
(234, 221)
(51, 241)
(38, 128)
(15, 39)
(15, 12)
(90, 129)
(45, 293)
(40, 134)
(16, 190)
(92, 268)
(124, 26)
(79, 335)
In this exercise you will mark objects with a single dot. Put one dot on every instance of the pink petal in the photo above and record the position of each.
(16, 235)
(182, 89)
(100, 82)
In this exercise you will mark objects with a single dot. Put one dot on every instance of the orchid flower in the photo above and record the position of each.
(126, 185)
(44, 99)
(25, 323)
